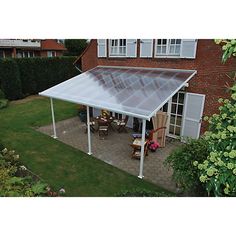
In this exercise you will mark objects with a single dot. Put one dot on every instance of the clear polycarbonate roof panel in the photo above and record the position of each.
(134, 91)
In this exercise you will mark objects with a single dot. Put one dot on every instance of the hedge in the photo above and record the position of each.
(35, 74)
(10, 79)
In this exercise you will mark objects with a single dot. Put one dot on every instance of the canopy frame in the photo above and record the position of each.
(144, 118)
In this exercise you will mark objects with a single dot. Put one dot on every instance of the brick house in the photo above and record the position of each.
(198, 98)
(18, 48)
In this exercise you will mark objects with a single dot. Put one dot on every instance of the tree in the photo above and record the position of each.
(218, 170)
(75, 46)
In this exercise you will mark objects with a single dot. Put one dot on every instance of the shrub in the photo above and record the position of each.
(142, 193)
(26, 76)
(38, 74)
(2, 95)
(218, 170)
(10, 79)
(12, 185)
(3, 103)
(181, 160)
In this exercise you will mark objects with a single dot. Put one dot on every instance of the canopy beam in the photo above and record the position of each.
(89, 132)
(142, 150)
(53, 120)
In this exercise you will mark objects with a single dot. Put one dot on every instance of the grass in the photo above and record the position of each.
(57, 163)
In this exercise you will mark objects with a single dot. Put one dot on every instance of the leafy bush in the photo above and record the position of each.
(10, 79)
(34, 75)
(12, 185)
(2, 95)
(3, 103)
(38, 74)
(75, 46)
(218, 170)
(142, 193)
(229, 48)
(181, 160)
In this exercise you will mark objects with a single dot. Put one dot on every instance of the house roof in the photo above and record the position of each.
(133, 91)
(52, 44)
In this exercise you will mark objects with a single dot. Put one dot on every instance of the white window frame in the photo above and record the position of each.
(168, 54)
(169, 113)
(118, 46)
(51, 53)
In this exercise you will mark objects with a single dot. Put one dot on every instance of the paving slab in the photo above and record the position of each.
(115, 150)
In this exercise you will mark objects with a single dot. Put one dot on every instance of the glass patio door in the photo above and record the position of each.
(174, 108)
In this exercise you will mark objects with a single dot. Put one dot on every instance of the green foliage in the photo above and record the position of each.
(142, 193)
(228, 46)
(2, 95)
(181, 160)
(218, 171)
(34, 75)
(3, 103)
(12, 185)
(75, 46)
(10, 79)
(38, 74)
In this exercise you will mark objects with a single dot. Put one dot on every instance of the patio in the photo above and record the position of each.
(115, 150)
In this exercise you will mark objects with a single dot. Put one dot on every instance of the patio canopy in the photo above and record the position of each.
(133, 91)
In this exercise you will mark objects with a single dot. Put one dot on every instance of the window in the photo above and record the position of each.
(25, 54)
(176, 113)
(2, 54)
(118, 47)
(168, 47)
(51, 54)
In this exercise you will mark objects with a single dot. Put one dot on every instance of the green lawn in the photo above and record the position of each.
(57, 163)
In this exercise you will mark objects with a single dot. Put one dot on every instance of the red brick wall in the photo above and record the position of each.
(211, 73)
(45, 53)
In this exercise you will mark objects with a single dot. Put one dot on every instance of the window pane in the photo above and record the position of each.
(173, 108)
(177, 130)
(178, 120)
(174, 98)
(172, 41)
(159, 41)
(177, 49)
(172, 119)
(171, 130)
(164, 49)
(181, 98)
(164, 41)
(165, 107)
(180, 109)
(172, 49)
(159, 49)
(178, 41)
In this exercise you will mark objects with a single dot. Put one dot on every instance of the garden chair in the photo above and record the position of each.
(121, 124)
(92, 126)
(159, 132)
(102, 128)
(136, 145)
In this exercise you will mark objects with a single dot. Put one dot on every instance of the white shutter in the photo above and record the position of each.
(188, 48)
(96, 112)
(102, 47)
(146, 46)
(192, 117)
(131, 48)
(130, 122)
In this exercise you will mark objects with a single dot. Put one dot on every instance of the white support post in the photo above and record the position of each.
(142, 150)
(89, 133)
(53, 120)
